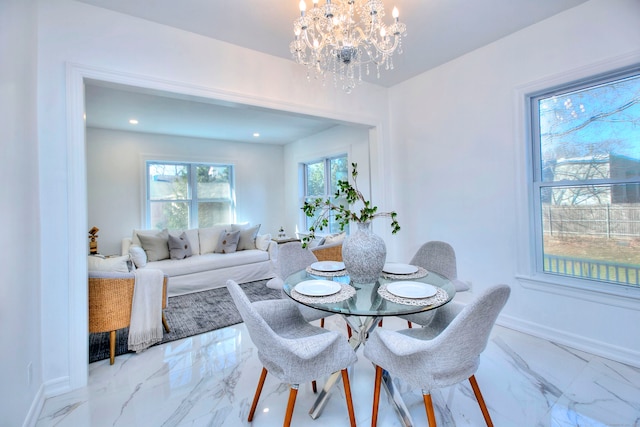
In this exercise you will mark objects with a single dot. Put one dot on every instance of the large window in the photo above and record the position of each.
(321, 181)
(189, 195)
(586, 179)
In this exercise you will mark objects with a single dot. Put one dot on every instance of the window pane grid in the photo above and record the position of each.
(587, 180)
(321, 181)
(189, 195)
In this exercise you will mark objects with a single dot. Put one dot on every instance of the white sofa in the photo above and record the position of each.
(254, 259)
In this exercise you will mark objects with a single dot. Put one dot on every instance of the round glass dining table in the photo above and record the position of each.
(363, 306)
(370, 300)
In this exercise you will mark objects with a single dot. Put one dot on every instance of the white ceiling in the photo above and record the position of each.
(437, 32)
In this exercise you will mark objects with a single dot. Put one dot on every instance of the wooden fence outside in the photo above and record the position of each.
(611, 221)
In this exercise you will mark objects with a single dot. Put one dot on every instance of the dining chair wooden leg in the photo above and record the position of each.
(252, 411)
(290, 405)
(428, 404)
(409, 324)
(314, 386)
(112, 347)
(376, 396)
(165, 324)
(347, 395)
(349, 333)
(483, 406)
(322, 322)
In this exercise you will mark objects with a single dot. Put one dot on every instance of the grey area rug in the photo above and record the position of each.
(189, 315)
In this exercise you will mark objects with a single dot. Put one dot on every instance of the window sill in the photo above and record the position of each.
(615, 295)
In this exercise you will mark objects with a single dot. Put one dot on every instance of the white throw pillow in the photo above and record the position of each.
(248, 238)
(262, 241)
(138, 256)
(115, 264)
(334, 238)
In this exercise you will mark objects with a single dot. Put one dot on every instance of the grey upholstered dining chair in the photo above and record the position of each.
(291, 348)
(439, 257)
(440, 355)
(293, 257)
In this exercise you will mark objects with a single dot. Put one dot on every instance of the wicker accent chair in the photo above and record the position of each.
(331, 252)
(292, 349)
(442, 354)
(110, 299)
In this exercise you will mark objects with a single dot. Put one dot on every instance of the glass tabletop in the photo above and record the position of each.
(367, 300)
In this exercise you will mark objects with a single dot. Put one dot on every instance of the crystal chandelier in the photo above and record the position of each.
(344, 36)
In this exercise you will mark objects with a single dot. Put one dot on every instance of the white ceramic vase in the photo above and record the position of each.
(364, 254)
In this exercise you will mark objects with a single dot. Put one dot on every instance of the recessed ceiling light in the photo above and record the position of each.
(256, 134)
(133, 121)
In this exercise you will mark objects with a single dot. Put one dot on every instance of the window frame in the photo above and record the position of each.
(536, 180)
(327, 189)
(193, 200)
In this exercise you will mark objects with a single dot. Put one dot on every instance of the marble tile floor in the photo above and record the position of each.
(210, 379)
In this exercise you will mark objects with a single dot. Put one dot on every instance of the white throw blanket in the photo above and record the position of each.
(146, 309)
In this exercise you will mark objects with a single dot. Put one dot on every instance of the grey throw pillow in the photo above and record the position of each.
(156, 247)
(179, 246)
(228, 242)
(248, 238)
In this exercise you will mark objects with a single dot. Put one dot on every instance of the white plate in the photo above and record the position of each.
(317, 288)
(408, 289)
(397, 268)
(328, 265)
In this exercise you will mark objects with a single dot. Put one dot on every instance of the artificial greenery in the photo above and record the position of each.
(344, 215)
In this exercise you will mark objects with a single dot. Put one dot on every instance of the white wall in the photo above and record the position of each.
(115, 179)
(461, 163)
(21, 367)
(427, 159)
(353, 141)
(88, 41)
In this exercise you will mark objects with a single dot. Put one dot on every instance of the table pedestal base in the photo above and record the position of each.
(360, 328)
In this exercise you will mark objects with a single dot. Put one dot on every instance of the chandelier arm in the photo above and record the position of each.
(386, 51)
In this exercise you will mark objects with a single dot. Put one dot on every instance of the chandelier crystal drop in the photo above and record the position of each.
(342, 37)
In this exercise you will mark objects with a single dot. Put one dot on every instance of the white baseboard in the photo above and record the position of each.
(57, 386)
(598, 348)
(34, 410)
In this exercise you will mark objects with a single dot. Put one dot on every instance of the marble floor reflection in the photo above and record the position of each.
(210, 379)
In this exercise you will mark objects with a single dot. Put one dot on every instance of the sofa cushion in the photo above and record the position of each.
(155, 246)
(262, 241)
(114, 264)
(209, 237)
(227, 242)
(240, 226)
(206, 262)
(179, 246)
(247, 238)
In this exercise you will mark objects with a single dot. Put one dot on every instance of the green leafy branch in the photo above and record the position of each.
(342, 214)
